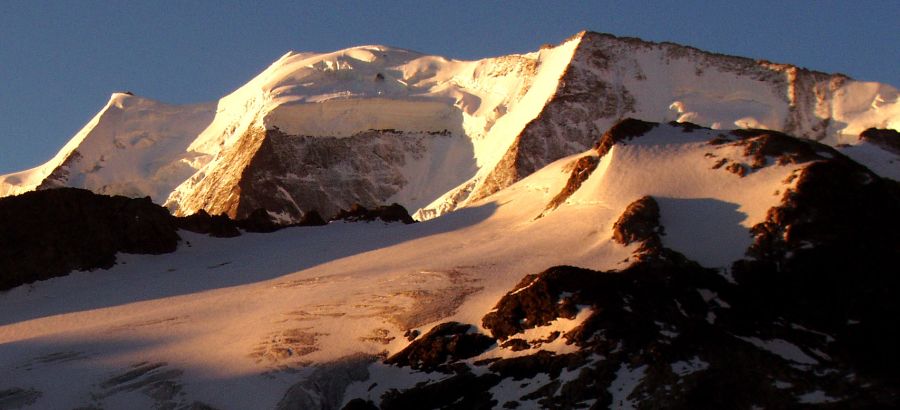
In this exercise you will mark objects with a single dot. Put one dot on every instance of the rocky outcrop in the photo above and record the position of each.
(217, 191)
(639, 223)
(59, 177)
(759, 145)
(463, 390)
(808, 319)
(220, 226)
(312, 218)
(49, 233)
(659, 334)
(622, 131)
(887, 139)
(450, 340)
(536, 301)
(260, 221)
(581, 170)
(830, 248)
(385, 213)
(360, 404)
(762, 148)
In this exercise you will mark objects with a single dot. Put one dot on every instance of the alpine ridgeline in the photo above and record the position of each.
(374, 125)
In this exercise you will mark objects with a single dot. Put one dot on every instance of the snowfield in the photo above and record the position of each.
(233, 323)
(490, 155)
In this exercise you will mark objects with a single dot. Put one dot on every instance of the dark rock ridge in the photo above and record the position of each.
(60, 175)
(639, 223)
(762, 148)
(760, 144)
(809, 319)
(461, 391)
(689, 338)
(360, 404)
(535, 301)
(450, 340)
(220, 226)
(581, 170)
(51, 232)
(887, 139)
(622, 131)
(831, 247)
(386, 213)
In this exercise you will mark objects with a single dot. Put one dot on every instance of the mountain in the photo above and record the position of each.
(581, 244)
(375, 124)
(670, 265)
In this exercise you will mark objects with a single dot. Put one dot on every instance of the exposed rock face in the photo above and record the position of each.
(287, 175)
(312, 218)
(536, 301)
(260, 221)
(581, 170)
(606, 81)
(622, 131)
(661, 334)
(785, 149)
(639, 223)
(220, 226)
(52, 232)
(292, 173)
(218, 191)
(460, 391)
(566, 125)
(762, 148)
(59, 177)
(831, 249)
(450, 340)
(389, 213)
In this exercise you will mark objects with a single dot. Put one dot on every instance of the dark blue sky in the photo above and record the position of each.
(60, 60)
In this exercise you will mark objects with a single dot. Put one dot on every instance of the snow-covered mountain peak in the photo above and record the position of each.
(432, 133)
(345, 73)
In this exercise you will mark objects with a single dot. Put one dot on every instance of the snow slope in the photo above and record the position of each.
(134, 146)
(234, 323)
